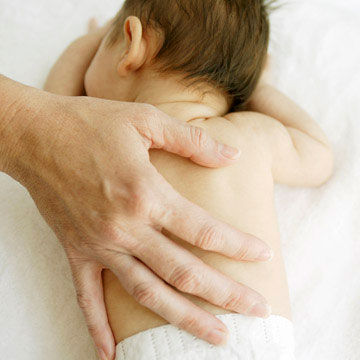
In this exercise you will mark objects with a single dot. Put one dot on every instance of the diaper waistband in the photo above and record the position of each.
(250, 339)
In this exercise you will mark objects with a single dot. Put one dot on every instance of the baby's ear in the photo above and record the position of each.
(134, 56)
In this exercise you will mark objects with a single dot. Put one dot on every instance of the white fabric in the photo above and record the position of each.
(317, 61)
(250, 339)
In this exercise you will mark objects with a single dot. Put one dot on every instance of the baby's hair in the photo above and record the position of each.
(221, 42)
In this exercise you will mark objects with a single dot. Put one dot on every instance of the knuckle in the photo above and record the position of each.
(153, 126)
(209, 238)
(88, 308)
(143, 201)
(189, 322)
(111, 238)
(84, 301)
(147, 121)
(149, 116)
(94, 330)
(144, 293)
(162, 214)
(149, 109)
(186, 278)
(111, 232)
(244, 249)
(233, 301)
(198, 137)
(242, 252)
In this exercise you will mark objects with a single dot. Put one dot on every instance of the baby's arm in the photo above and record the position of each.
(301, 155)
(67, 75)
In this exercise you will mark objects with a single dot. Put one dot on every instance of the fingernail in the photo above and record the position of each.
(266, 255)
(230, 152)
(102, 355)
(260, 309)
(218, 337)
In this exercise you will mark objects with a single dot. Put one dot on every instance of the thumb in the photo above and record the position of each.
(88, 285)
(193, 142)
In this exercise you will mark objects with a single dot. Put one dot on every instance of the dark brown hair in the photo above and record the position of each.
(221, 42)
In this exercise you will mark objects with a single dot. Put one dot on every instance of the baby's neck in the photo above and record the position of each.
(179, 101)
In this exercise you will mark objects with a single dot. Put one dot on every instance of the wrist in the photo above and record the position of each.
(18, 112)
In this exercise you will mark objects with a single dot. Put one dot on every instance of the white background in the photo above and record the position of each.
(316, 52)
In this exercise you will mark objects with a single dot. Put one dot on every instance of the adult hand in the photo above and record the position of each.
(85, 163)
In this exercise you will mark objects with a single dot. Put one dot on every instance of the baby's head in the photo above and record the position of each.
(221, 43)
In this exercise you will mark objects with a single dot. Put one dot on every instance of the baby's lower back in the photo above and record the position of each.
(240, 195)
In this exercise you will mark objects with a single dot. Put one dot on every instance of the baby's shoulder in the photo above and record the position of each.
(250, 121)
(245, 126)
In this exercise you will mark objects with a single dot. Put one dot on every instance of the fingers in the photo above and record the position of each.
(88, 285)
(177, 137)
(189, 274)
(194, 225)
(194, 143)
(153, 293)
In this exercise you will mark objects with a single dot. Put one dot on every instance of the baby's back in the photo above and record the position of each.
(242, 196)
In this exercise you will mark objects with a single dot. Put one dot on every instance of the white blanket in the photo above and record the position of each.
(317, 61)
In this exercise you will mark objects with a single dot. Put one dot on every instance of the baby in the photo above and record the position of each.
(203, 61)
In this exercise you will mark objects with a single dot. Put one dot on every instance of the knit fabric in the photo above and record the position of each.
(250, 339)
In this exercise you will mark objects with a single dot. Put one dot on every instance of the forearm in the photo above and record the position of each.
(269, 101)
(29, 125)
(67, 75)
(13, 101)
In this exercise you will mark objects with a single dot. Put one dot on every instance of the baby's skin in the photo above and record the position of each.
(280, 143)
(241, 195)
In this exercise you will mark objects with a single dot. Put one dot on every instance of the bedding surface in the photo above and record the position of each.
(316, 56)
